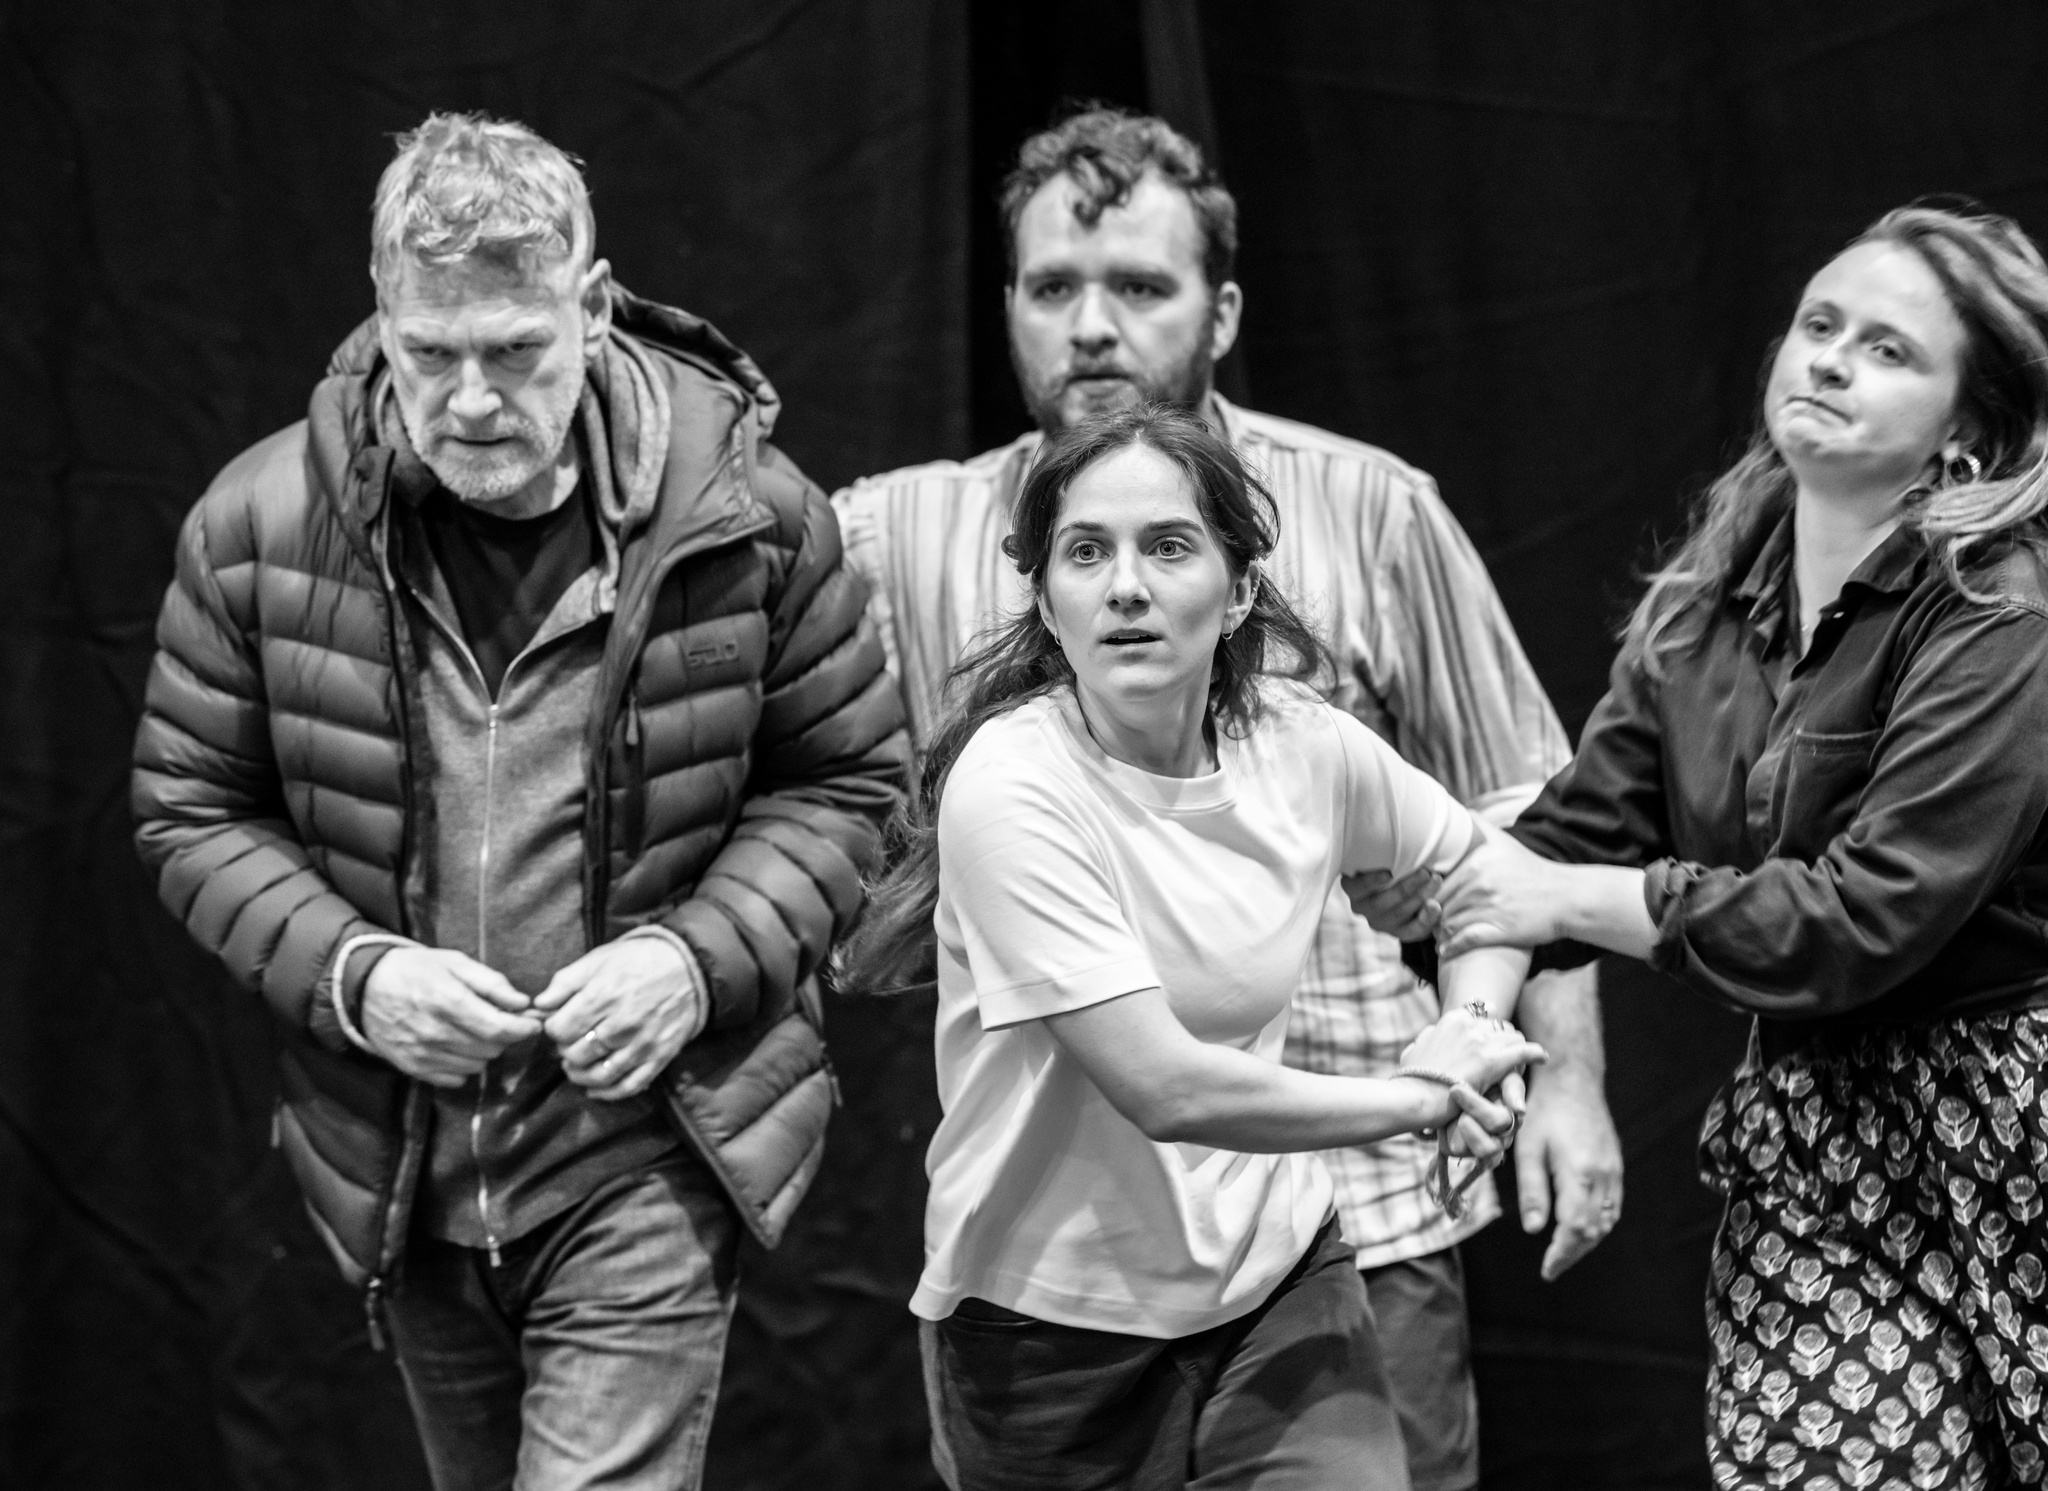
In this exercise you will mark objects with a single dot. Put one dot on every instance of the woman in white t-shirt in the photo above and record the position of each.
(1131, 829)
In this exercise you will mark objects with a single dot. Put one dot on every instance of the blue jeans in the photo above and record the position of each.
(589, 1355)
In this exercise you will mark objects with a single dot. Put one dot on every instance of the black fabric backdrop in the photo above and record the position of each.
(1536, 248)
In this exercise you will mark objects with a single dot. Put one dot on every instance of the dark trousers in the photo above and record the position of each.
(1418, 1309)
(589, 1356)
(1291, 1397)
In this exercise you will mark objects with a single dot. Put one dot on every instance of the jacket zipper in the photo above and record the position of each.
(483, 956)
(481, 1098)
(415, 1136)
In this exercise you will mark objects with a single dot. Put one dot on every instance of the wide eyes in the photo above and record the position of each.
(1090, 551)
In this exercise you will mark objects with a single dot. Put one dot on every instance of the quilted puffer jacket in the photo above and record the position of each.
(743, 753)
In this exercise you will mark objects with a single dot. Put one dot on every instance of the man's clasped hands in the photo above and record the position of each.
(618, 1015)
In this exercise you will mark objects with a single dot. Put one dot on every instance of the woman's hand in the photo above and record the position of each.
(1501, 895)
(1476, 1050)
(1482, 1127)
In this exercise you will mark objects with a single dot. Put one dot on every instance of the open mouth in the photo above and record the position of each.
(1129, 638)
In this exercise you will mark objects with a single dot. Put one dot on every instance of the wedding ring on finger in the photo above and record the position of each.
(604, 1052)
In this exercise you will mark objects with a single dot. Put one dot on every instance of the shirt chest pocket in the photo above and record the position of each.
(1817, 788)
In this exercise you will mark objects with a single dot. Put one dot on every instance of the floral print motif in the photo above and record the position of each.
(1878, 1305)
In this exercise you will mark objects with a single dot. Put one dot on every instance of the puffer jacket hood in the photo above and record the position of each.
(625, 406)
(743, 752)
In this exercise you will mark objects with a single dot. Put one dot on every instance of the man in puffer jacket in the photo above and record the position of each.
(514, 731)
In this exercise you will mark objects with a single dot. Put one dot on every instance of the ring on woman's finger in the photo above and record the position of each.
(591, 1036)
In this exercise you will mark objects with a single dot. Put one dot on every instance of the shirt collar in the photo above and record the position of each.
(1762, 591)
(1222, 416)
(1892, 566)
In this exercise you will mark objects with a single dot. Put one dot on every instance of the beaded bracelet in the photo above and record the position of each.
(1428, 1074)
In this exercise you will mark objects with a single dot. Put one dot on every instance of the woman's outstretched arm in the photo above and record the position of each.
(1180, 1090)
(1504, 895)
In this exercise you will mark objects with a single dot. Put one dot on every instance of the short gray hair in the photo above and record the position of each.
(465, 185)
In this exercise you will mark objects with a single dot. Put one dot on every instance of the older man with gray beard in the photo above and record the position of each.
(515, 732)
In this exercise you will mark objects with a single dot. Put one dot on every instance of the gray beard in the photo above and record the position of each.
(1186, 385)
(538, 445)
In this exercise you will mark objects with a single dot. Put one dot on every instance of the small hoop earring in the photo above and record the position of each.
(1969, 459)
(1229, 633)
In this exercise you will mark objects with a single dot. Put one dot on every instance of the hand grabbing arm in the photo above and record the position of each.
(1504, 895)
(1406, 909)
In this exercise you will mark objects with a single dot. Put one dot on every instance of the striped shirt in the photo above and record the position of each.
(1425, 656)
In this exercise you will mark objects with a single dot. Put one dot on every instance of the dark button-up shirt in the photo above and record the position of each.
(1854, 835)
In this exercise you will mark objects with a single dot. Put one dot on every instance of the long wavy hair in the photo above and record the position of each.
(1997, 284)
(891, 950)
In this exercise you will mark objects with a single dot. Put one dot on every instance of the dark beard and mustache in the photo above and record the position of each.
(1185, 384)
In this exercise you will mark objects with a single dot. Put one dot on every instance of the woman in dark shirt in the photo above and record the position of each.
(1816, 791)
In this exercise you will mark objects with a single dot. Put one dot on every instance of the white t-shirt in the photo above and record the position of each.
(1067, 878)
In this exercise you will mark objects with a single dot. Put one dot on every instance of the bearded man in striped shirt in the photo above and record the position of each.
(1121, 247)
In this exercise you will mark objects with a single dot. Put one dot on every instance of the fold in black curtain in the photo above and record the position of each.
(185, 239)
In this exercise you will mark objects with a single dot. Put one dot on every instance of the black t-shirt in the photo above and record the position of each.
(505, 574)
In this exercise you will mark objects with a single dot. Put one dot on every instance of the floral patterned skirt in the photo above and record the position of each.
(1878, 1310)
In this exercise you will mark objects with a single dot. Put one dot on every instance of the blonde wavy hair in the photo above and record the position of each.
(1997, 284)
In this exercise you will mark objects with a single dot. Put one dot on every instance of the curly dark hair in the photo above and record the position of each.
(1107, 152)
(890, 951)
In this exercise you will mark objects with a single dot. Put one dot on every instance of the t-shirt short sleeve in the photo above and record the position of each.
(1031, 895)
(1396, 816)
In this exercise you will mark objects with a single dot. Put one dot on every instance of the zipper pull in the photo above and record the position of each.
(373, 1311)
(632, 721)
